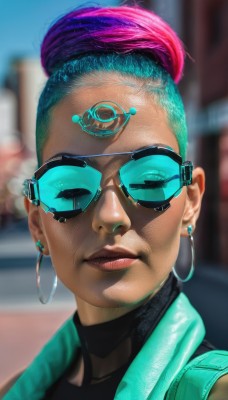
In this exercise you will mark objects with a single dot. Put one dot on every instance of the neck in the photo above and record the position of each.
(92, 315)
(112, 338)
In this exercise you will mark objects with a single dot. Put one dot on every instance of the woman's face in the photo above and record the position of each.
(113, 223)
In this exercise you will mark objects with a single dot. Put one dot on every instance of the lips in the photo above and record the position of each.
(110, 259)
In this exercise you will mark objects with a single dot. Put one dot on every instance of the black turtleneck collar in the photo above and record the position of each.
(102, 339)
(120, 339)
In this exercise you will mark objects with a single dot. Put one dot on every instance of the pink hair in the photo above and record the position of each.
(113, 29)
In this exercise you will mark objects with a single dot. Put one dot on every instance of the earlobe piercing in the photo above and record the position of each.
(189, 230)
(40, 245)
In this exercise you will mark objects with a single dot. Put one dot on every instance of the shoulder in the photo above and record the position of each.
(205, 377)
(8, 384)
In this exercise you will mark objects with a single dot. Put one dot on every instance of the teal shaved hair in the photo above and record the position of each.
(151, 76)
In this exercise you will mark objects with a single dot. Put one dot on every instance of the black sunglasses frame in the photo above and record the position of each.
(81, 161)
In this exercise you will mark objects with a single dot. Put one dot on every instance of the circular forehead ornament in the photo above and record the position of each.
(104, 119)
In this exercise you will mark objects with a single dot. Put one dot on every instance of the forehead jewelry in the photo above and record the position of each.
(104, 119)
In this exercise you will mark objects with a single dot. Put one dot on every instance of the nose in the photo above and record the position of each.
(109, 214)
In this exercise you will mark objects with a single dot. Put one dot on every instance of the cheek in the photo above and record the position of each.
(162, 233)
(65, 241)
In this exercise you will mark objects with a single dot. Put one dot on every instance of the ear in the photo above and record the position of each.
(194, 197)
(35, 224)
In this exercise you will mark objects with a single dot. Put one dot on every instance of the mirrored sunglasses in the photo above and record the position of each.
(66, 185)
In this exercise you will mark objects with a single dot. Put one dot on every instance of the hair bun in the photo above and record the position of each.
(113, 29)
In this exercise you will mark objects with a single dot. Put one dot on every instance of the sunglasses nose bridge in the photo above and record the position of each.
(110, 172)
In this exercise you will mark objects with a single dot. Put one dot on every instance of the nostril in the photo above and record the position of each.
(116, 227)
(113, 228)
(109, 213)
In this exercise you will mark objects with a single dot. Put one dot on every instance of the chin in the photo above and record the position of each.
(112, 298)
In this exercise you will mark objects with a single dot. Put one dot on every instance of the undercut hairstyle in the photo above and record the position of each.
(129, 41)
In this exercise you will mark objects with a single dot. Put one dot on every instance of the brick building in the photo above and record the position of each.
(203, 27)
(205, 33)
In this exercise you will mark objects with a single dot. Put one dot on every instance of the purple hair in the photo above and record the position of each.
(113, 29)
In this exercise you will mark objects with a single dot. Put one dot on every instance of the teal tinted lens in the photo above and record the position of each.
(153, 178)
(68, 187)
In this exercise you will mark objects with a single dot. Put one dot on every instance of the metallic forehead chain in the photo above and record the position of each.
(104, 119)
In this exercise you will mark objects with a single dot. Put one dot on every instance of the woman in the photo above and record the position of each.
(111, 198)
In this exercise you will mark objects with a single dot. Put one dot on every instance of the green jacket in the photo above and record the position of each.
(160, 369)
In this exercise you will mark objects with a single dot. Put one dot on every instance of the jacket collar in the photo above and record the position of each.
(149, 376)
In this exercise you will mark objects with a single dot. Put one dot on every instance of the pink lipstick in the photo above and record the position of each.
(112, 259)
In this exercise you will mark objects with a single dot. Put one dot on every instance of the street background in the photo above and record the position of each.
(25, 324)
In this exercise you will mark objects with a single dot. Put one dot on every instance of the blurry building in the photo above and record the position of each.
(9, 144)
(18, 103)
(10, 149)
(8, 116)
(26, 79)
(203, 27)
(205, 33)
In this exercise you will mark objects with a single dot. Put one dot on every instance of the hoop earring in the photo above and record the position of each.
(192, 267)
(39, 260)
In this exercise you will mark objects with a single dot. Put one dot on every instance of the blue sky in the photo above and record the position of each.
(23, 24)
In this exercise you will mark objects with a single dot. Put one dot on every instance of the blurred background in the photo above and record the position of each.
(203, 27)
